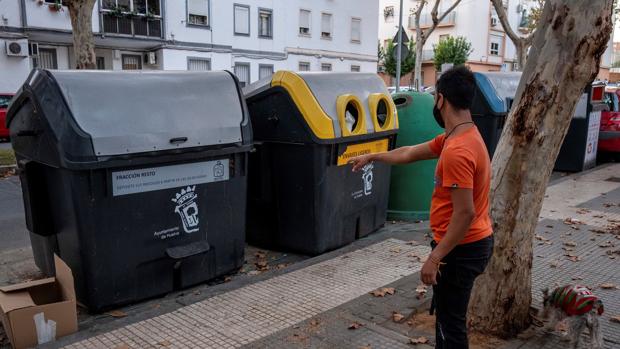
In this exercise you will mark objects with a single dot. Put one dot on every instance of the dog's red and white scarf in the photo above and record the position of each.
(574, 300)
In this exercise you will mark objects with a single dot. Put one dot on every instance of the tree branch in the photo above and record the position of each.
(503, 18)
(437, 20)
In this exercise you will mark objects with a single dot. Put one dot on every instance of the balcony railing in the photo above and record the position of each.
(426, 20)
(132, 24)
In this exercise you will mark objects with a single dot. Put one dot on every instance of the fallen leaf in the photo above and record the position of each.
(122, 346)
(260, 254)
(253, 272)
(576, 278)
(572, 221)
(314, 322)
(607, 243)
(574, 258)
(540, 256)
(568, 248)
(389, 290)
(395, 250)
(155, 306)
(554, 264)
(261, 265)
(282, 265)
(227, 279)
(609, 204)
(549, 226)
(570, 243)
(197, 293)
(412, 242)
(598, 216)
(615, 319)
(540, 237)
(383, 291)
(116, 313)
(419, 340)
(583, 211)
(608, 286)
(164, 343)
(366, 347)
(397, 317)
(355, 325)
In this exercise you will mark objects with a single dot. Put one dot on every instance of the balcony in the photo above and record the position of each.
(426, 21)
(428, 55)
(131, 24)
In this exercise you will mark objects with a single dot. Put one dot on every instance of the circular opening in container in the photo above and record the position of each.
(351, 116)
(382, 112)
(400, 101)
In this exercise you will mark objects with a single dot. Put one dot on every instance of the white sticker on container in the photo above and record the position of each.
(166, 177)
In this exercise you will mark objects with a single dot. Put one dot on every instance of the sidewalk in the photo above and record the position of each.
(313, 303)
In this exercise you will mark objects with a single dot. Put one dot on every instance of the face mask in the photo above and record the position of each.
(437, 115)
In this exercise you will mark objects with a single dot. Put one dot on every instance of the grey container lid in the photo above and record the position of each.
(134, 112)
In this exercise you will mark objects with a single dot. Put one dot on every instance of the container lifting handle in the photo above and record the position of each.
(192, 249)
(28, 133)
(178, 140)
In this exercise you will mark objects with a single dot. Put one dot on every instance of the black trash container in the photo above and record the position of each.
(302, 193)
(493, 96)
(578, 151)
(136, 180)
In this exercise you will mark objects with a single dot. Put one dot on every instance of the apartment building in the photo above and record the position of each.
(253, 38)
(477, 21)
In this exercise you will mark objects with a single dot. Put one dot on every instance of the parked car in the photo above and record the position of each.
(5, 98)
(609, 134)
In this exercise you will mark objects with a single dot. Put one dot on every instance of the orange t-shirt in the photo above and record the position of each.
(463, 163)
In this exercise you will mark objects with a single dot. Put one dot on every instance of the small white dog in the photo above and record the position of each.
(580, 307)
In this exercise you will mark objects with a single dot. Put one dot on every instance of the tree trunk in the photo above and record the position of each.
(521, 47)
(81, 12)
(564, 58)
(417, 80)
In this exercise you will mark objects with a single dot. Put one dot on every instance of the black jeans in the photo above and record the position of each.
(451, 294)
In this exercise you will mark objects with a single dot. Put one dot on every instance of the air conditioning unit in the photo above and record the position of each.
(150, 58)
(17, 48)
(494, 21)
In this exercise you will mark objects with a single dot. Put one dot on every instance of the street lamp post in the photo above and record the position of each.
(399, 47)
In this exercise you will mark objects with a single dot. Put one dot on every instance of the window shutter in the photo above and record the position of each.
(265, 71)
(198, 7)
(355, 29)
(198, 65)
(326, 23)
(242, 15)
(304, 19)
(242, 71)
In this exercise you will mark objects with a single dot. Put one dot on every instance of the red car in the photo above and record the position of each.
(5, 98)
(609, 134)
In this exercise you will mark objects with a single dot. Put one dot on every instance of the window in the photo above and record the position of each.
(304, 22)
(326, 67)
(265, 23)
(100, 63)
(242, 20)
(198, 12)
(304, 66)
(355, 68)
(265, 71)
(326, 26)
(242, 70)
(388, 14)
(443, 37)
(132, 17)
(132, 62)
(198, 64)
(495, 48)
(47, 58)
(356, 28)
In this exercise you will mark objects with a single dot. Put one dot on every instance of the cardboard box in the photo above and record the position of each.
(54, 297)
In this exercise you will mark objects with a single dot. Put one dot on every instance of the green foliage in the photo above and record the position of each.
(389, 62)
(451, 50)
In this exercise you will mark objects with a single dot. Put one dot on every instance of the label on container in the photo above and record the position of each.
(362, 149)
(166, 177)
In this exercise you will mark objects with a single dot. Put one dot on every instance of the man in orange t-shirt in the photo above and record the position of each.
(462, 233)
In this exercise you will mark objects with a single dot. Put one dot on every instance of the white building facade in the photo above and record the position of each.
(476, 20)
(253, 38)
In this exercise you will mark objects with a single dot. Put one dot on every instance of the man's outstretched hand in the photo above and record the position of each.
(360, 161)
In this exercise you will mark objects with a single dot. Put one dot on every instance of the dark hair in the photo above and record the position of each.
(457, 86)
